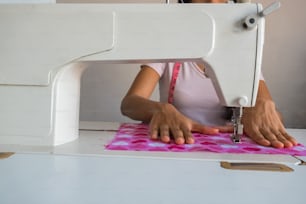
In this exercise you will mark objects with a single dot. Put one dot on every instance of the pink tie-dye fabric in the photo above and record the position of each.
(134, 137)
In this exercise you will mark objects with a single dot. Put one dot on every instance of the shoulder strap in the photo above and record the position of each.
(175, 72)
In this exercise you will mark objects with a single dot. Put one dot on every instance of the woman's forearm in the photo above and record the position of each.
(139, 108)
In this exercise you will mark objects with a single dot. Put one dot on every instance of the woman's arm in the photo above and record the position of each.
(263, 123)
(136, 104)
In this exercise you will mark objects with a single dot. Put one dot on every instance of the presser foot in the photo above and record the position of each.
(238, 132)
(238, 126)
(236, 138)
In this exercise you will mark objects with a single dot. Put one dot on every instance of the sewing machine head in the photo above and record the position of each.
(42, 46)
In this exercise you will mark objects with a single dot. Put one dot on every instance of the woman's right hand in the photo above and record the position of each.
(167, 122)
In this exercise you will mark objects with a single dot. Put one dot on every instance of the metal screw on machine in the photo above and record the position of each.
(250, 21)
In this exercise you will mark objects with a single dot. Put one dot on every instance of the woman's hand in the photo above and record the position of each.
(167, 122)
(263, 125)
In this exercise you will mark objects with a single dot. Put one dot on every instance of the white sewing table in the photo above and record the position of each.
(84, 172)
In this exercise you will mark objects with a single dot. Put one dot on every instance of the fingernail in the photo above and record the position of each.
(190, 140)
(165, 139)
(180, 140)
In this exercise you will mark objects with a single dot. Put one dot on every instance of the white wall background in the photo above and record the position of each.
(284, 68)
(284, 63)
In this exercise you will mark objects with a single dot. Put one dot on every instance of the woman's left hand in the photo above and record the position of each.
(263, 125)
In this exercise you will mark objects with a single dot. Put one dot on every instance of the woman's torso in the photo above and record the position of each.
(194, 94)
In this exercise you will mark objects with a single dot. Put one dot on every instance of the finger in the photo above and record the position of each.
(272, 138)
(164, 133)
(225, 129)
(153, 131)
(277, 144)
(259, 138)
(290, 138)
(204, 129)
(178, 135)
(188, 136)
(286, 139)
(282, 139)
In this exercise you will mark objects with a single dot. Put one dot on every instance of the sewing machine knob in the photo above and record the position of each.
(243, 101)
(250, 22)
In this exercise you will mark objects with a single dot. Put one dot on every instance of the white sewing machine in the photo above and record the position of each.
(45, 48)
